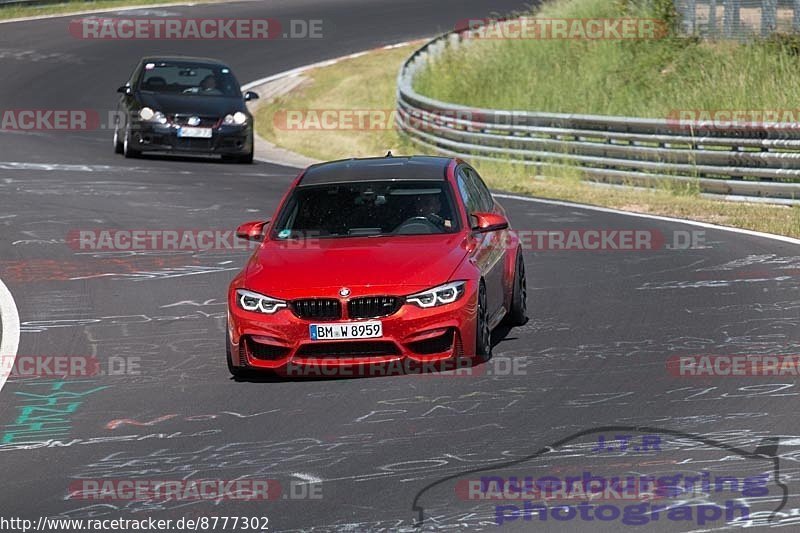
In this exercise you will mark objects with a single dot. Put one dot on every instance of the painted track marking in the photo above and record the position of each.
(9, 342)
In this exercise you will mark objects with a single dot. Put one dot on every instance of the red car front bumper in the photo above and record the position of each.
(281, 342)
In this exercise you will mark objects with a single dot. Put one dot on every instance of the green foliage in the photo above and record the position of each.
(781, 43)
(649, 78)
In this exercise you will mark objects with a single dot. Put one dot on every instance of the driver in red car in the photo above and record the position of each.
(430, 207)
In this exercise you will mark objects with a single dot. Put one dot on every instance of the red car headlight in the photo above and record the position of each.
(441, 295)
(258, 303)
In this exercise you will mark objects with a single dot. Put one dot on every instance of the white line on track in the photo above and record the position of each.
(781, 238)
(9, 342)
(308, 478)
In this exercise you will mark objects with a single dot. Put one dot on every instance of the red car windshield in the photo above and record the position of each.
(368, 209)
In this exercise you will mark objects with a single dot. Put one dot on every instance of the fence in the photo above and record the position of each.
(761, 161)
(739, 19)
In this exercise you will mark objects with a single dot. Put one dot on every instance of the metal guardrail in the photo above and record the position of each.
(30, 2)
(12, 2)
(762, 161)
(89, 3)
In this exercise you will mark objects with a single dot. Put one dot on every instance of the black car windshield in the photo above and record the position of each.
(193, 79)
(368, 209)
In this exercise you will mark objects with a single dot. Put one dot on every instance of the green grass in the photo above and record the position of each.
(365, 83)
(647, 78)
(65, 8)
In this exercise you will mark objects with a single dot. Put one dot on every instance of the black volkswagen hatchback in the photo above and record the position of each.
(184, 105)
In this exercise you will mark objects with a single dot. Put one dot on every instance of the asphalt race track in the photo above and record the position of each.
(353, 454)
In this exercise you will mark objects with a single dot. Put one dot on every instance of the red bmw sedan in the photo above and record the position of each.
(376, 261)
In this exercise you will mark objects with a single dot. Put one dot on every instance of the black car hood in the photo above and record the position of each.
(217, 106)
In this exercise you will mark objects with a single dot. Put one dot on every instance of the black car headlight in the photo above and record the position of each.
(441, 295)
(149, 115)
(236, 119)
(252, 301)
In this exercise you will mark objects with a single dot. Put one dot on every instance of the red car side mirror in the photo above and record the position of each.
(486, 222)
(252, 231)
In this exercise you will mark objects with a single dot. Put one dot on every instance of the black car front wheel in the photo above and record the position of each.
(119, 147)
(241, 159)
(127, 145)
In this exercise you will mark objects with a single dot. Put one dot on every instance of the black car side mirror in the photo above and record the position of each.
(250, 95)
(125, 89)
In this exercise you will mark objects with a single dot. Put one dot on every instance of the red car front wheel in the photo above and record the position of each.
(483, 335)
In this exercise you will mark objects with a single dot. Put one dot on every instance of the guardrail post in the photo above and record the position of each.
(730, 21)
(769, 16)
(796, 15)
(691, 21)
(712, 18)
(688, 13)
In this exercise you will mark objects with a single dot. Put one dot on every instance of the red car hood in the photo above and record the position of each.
(397, 265)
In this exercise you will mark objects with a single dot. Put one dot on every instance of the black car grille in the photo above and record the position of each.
(205, 122)
(373, 306)
(320, 308)
(194, 144)
(349, 349)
